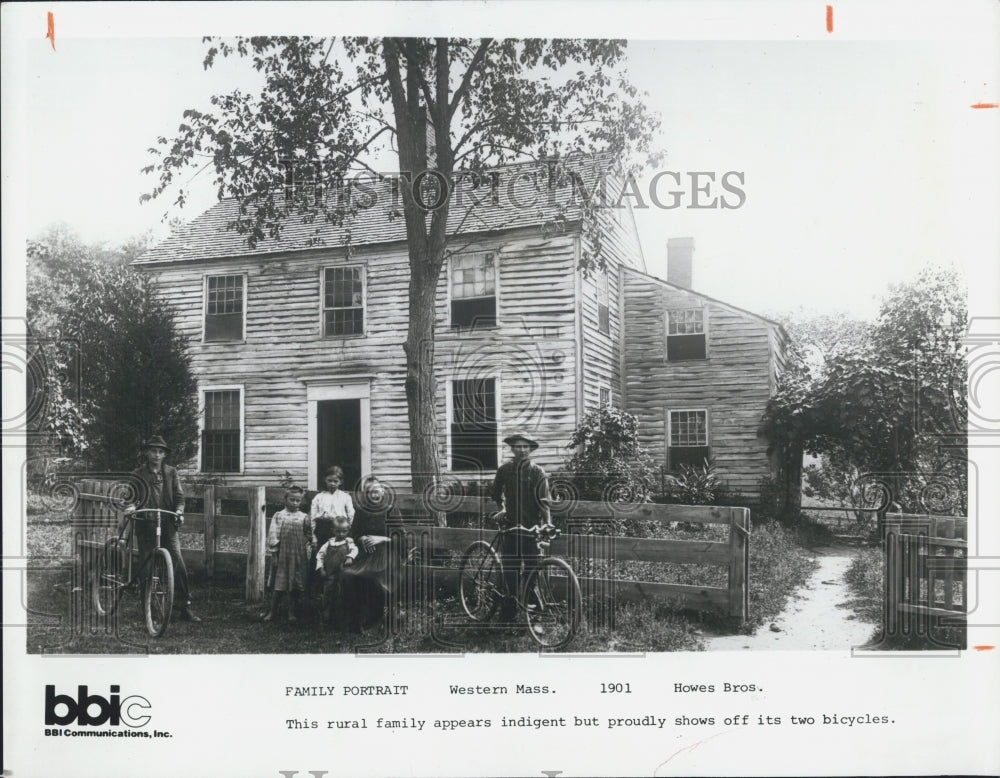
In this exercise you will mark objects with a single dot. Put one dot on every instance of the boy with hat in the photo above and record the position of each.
(521, 491)
(163, 490)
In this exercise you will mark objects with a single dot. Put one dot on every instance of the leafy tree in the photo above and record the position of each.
(883, 401)
(116, 371)
(327, 108)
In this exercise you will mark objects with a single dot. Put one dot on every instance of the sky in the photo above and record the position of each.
(850, 152)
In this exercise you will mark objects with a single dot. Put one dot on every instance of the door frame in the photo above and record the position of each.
(338, 388)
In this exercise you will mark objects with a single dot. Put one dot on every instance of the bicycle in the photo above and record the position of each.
(549, 595)
(154, 574)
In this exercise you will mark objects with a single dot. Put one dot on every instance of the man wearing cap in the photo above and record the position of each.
(521, 491)
(162, 489)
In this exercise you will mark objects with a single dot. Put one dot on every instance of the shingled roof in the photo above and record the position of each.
(523, 199)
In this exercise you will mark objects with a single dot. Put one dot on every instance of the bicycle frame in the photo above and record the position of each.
(524, 563)
(132, 543)
(153, 574)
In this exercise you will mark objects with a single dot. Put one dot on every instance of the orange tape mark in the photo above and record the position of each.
(985, 105)
(51, 34)
(829, 18)
(984, 648)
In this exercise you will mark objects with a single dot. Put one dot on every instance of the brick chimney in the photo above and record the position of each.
(679, 254)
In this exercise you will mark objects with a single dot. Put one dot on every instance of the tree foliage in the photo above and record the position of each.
(885, 401)
(115, 369)
(610, 464)
(328, 108)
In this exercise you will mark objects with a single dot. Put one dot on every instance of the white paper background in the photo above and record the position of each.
(226, 713)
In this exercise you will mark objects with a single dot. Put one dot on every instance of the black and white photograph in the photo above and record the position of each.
(526, 388)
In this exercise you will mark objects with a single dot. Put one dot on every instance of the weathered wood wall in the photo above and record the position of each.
(530, 352)
(733, 383)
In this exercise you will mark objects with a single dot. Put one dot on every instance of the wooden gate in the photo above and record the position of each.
(926, 559)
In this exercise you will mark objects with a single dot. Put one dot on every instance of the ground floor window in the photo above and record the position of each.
(687, 438)
(222, 431)
(474, 424)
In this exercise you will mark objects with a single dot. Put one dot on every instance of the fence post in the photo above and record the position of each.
(209, 514)
(257, 544)
(83, 558)
(739, 528)
(893, 578)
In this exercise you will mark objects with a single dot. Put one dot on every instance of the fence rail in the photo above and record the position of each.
(96, 515)
(926, 562)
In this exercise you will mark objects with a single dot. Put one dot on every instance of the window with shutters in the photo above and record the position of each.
(343, 301)
(472, 286)
(686, 334)
(222, 431)
(687, 438)
(225, 298)
(474, 424)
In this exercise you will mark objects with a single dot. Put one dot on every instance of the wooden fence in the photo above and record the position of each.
(582, 541)
(926, 560)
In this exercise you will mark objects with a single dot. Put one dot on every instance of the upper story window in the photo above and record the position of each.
(688, 438)
(603, 295)
(473, 290)
(224, 307)
(343, 301)
(474, 424)
(686, 334)
(605, 396)
(222, 430)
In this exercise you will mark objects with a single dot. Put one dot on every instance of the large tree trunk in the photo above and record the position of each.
(426, 244)
(420, 381)
(791, 480)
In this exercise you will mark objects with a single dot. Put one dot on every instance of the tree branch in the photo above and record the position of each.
(413, 63)
(463, 87)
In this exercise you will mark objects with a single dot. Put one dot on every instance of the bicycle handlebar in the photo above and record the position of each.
(134, 515)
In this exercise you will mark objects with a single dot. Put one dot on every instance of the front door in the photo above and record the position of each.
(338, 440)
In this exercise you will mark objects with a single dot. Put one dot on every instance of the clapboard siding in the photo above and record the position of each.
(602, 358)
(733, 383)
(530, 351)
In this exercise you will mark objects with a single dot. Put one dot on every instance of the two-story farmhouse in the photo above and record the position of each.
(297, 343)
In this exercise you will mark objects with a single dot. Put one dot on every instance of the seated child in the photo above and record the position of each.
(287, 540)
(336, 554)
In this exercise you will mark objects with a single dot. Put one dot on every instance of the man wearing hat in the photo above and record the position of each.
(521, 491)
(161, 488)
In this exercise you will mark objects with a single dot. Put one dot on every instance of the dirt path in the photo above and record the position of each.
(817, 619)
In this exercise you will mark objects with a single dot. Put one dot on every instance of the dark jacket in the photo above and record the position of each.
(523, 489)
(172, 492)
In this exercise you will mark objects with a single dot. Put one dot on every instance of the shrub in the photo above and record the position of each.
(694, 485)
(612, 464)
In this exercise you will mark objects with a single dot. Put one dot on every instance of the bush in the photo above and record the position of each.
(694, 485)
(611, 465)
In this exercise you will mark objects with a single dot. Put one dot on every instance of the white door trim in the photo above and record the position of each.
(343, 388)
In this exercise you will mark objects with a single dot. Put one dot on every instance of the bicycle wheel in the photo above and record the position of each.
(107, 581)
(159, 594)
(480, 581)
(553, 603)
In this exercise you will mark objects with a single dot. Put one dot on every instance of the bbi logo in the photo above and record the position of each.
(93, 709)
